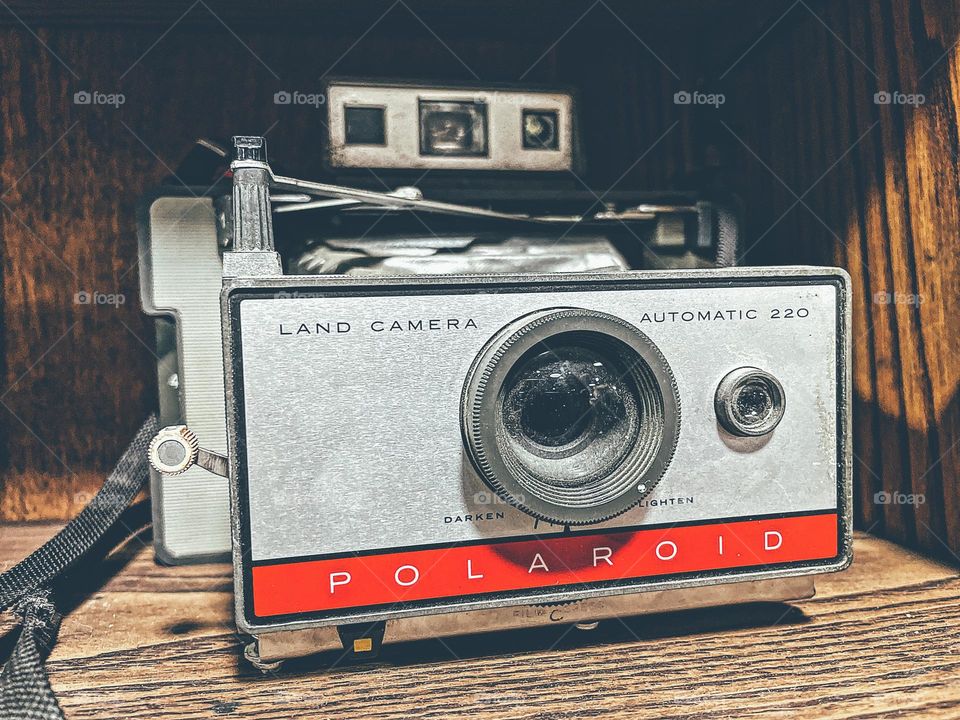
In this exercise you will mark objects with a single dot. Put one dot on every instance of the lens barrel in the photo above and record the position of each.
(571, 415)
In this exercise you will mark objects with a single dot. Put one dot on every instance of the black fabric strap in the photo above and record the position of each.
(25, 692)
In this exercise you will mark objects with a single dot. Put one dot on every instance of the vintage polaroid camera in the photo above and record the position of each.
(472, 409)
(515, 150)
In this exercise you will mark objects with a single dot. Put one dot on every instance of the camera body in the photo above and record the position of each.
(499, 423)
(401, 492)
(373, 142)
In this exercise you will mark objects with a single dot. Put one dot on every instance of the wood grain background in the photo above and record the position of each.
(825, 173)
(831, 175)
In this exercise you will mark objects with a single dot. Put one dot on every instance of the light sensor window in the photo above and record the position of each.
(453, 129)
(749, 402)
(541, 130)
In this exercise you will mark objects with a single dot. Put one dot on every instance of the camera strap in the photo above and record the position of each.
(28, 587)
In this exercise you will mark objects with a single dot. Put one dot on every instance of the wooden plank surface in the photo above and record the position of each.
(879, 640)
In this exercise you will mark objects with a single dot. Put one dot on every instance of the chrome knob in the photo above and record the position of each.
(175, 449)
(749, 402)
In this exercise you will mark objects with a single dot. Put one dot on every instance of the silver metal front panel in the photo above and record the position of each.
(353, 437)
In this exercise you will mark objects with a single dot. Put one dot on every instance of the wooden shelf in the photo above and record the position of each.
(879, 639)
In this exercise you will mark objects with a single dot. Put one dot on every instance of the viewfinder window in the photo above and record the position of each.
(457, 129)
(365, 125)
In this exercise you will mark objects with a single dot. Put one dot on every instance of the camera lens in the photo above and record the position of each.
(570, 409)
(551, 403)
(572, 415)
(562, 397)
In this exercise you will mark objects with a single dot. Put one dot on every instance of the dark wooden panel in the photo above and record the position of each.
(78, 378)
(883, 200)
(718, 20)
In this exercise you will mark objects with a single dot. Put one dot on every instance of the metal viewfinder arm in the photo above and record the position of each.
(253, 179)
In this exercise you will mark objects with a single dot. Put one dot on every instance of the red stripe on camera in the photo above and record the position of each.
(572, 559)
